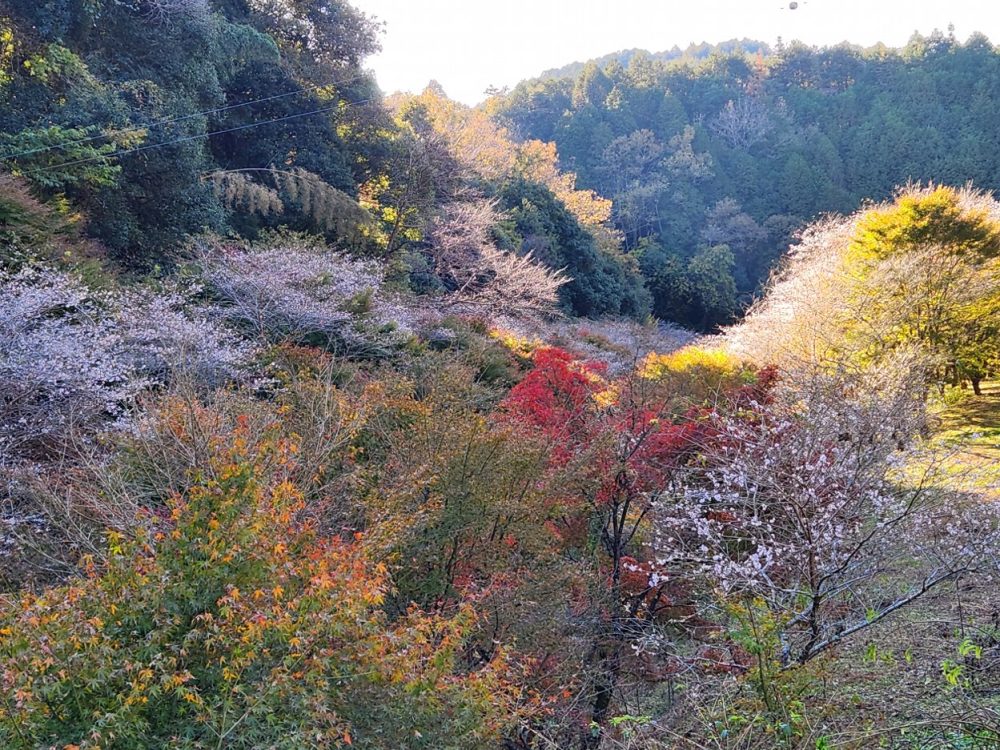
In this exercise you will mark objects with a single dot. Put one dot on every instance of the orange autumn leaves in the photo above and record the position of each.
(231, 613)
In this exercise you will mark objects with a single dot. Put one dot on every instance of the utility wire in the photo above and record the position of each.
(200, 135)
(181, 118)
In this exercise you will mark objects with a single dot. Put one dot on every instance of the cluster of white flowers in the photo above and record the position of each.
(482, 277)
(805, 307)
(71, 358)
(163, 334)
(806, 502)
(305, 292)
(60, 362)
(779, 505)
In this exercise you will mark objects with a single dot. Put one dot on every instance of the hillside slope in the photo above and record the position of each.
(743, 148)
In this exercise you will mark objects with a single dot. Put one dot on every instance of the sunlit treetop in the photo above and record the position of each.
(952, 220)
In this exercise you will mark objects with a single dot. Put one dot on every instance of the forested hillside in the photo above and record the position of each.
(160, 119)
(742, 148)
(691, 52)
(337, 420)
(84, 80)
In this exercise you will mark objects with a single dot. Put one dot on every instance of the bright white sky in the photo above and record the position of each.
(469, 45)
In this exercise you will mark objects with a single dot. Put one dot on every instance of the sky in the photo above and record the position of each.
(470, 45)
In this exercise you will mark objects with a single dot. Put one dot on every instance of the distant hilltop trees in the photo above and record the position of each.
(740, 145)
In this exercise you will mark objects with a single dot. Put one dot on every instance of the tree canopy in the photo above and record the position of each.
(743, 144)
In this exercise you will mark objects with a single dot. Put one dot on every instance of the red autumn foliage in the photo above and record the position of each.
(726, 658)
(556, 399)
(635, 576)
(629, 445)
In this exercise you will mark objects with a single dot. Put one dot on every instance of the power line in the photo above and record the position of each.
(202, 135)
(181, 118)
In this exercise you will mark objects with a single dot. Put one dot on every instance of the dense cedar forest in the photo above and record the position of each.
(649, 405)
(742, 150)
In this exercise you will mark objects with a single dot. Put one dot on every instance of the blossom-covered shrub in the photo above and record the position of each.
(163, 335)
(920, 271)
(294, 288)
(62, 363)
(73, 363)
(71, 357)
(478, 275)
(806, 498)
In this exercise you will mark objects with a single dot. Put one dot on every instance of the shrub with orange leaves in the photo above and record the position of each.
(232, 622)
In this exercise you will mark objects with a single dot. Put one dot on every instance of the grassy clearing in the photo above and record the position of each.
(889, 688)
(969, 430)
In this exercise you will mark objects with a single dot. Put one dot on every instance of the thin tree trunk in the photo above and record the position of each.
(610, 670)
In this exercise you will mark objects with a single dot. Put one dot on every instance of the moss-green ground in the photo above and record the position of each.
(971, 428)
